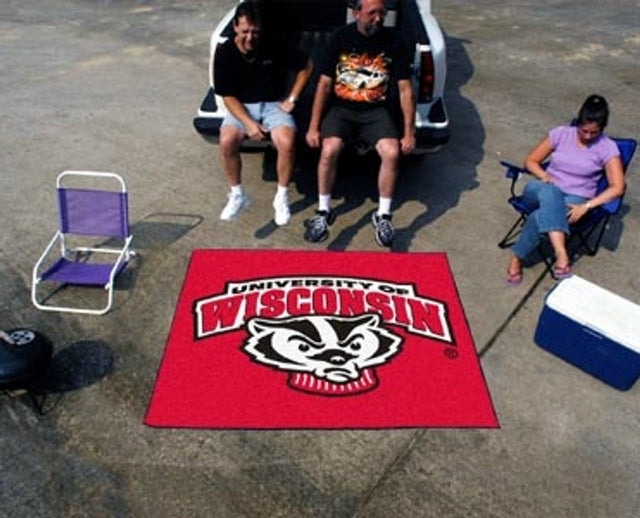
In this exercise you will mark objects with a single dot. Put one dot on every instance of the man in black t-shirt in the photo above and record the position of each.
(361, 61)
(251, 76)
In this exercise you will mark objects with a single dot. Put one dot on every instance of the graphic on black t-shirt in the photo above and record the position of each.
(362, 78)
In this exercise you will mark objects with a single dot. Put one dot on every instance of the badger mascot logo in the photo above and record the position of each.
(325, 355)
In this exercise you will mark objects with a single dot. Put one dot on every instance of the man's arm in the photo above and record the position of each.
(323, 91)
(298, 85)
(224, 84)
(408, 107)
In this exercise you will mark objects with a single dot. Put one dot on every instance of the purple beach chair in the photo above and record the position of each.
(93, 238)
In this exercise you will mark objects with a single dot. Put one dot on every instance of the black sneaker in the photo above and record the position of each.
(384, 229)
(318, 226)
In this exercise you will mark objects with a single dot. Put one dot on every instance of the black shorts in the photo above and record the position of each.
(366, 126)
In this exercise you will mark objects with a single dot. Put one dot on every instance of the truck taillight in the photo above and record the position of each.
(425, 86)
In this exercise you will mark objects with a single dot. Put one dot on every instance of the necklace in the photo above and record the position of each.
(249, 58)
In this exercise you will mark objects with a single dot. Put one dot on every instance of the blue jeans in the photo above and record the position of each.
(549, 214)
(268, 114)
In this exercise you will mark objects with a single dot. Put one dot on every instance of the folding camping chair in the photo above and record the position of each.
(93, 239)
(594, 223)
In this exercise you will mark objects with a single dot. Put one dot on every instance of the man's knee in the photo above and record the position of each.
(283, 139)
(331, 148)
(230, 141)
(388, 149)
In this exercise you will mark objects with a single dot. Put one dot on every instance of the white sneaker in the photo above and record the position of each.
(282, 212)
(236, 203)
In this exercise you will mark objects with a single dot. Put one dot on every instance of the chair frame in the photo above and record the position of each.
(122, 255)
(581, 230)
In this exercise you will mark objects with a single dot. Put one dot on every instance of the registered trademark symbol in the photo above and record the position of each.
(451, 353)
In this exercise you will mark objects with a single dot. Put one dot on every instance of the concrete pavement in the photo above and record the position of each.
(113, 85)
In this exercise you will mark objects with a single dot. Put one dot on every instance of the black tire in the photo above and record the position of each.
(26, 360)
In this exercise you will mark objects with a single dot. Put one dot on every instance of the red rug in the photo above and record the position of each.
(329, 340)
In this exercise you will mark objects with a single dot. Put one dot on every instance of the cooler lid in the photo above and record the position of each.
(598, 309)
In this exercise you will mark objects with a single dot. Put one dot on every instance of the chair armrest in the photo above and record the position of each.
(513, 170)
(44, 256)
(513, 173)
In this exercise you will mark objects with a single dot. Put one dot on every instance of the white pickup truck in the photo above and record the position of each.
(309, 23)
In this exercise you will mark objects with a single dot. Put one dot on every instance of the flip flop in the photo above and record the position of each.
(562, 272)
(514, 278)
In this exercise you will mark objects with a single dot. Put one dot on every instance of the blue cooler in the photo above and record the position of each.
(593, 329)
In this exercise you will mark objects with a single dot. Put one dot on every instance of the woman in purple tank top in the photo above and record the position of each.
(566, 190)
